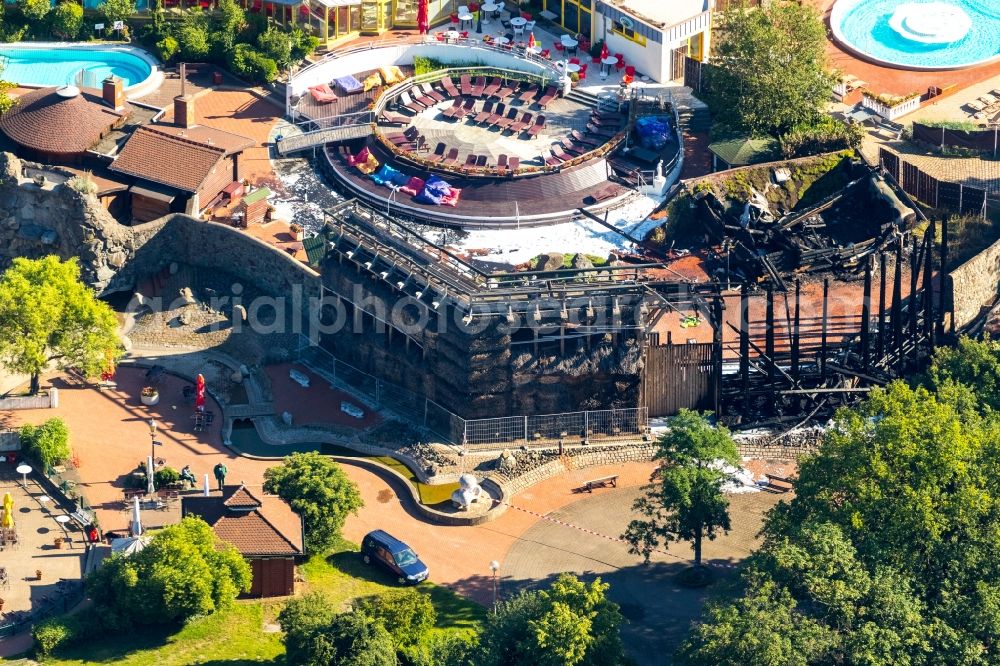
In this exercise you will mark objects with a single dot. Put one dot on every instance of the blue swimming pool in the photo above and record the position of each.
(920, 34)
(68, 65)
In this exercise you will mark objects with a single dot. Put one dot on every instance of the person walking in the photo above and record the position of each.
(220, 474)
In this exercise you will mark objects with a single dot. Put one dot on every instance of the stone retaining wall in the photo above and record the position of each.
(788, 447)
(975, 284)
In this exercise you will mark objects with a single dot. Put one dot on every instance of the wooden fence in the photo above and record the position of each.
(954, 197)
(677, 376)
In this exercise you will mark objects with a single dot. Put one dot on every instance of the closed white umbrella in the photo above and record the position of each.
(150, 473)
(128, 545)
(135, 527)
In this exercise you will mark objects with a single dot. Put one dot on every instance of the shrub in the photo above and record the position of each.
(277, 46)
(825, 136)
(66, 20)
(303, 621)
(251, 65)
(193, 41)
(47, 443)
(422, 65)
(34, 10)
(116, 10)
(167, 48)
(53, 633)
(165, 476)
(302, 44)
(406, 614)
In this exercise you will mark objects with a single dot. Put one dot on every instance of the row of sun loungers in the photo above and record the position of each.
(985, 102)
(425, 95)
(496, 114)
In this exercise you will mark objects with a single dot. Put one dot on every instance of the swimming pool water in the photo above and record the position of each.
(864, 25)
(60, 66)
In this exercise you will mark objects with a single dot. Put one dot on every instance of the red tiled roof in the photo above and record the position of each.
(45, 121)
(270, 529)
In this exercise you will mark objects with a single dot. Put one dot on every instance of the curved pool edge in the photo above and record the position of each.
(148, 85)
(835, 17)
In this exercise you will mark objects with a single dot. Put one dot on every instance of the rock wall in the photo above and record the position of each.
(975, 285)
(54, 218)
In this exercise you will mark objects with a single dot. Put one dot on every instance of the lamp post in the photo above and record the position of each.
(494, 567)
(152, 439)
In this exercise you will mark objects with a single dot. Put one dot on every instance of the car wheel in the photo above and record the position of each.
(402, 581)
(367, 559)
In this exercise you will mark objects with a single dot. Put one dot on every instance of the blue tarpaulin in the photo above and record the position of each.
(653, 132)
(434, 192)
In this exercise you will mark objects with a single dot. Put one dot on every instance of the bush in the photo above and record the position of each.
(253, 66)
(165, 476)
(422, 65)
(166, 48)
(34, 10)
(66, 20)
(47, 443)
(53, 633)
(277, 46)
(193, 41)
(406, 614)
(116, 10)
(825, 136)
(303, 620)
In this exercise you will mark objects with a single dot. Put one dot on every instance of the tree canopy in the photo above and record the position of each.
(184, 571)
(319, 491)
(66, 19)
(48, 316)
(316, 635)
(687, 503)
(886, 554)
(567, 624)
(47, 443)
(768, 74)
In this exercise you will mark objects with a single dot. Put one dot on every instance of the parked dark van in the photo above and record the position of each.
(380, 547)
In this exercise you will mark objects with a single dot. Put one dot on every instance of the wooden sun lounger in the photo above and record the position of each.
(506, 91)
(438, 153)
(481, 161)
(456, 107)
(600, 131)
(514, 163)
(470, 161)
(507, 120)
(550, 159)
(479, 86)
(420, 98)
(528, 96)
(466, 82)
(537, 128)
(497, 115)
(485, 114)
(581, 138)
(602, 482)
(549, 95)
(573, 148)
(451, 157)
(449, 86)
(408, 103)
(492, 88)
(391, 118)
(465, 109)
(429, 91)
(560, 154)
(522, 124)
(402, 137)
(502, 163)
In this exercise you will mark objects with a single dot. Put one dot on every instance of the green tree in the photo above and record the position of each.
(357, 640)
(768, 73)
(276, 45)
(406, 613)
(687, 504)
(193, 41)
(66, 19)
(34, 10)
(47, 443)
(886, 554)
(319, 491)
(304, 620)
(972, 363)
(116, 10)
(48, 316)
(442, 650)
(183, 572)
(569, 623)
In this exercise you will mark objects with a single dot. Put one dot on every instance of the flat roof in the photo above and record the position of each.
(663, 13)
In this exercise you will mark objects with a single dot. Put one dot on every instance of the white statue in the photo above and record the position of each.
(469, 491)
(659, 169)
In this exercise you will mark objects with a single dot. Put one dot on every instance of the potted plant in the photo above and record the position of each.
(298, 233)
(149, 396)
(38, 574)
(58, 542)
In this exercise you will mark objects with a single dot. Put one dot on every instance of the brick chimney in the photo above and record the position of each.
(113, 93)
(184, 111)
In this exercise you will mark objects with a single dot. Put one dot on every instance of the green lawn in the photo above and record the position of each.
(236, 637)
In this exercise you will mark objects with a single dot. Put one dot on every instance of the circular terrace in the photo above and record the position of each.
(501, 142)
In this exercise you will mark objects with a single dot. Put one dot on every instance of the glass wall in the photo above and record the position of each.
(574, 15)
(406, 13)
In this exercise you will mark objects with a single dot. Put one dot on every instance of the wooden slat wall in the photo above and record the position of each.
(677, 376)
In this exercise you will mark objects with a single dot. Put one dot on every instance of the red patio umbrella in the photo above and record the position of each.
(423, 24)
(604, 51)
(531, 40)
(199, 392)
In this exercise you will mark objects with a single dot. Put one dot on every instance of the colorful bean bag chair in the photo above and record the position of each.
(369, 166)
(385, 175)
(322, 94)
(372, 81)
(435, 191)
(451, 199)
(360, 158)
(398, 180)
(392, 74)
(413, 186)
(349, 84)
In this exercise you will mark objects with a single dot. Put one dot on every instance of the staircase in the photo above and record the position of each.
(693, 113)
(591, 101)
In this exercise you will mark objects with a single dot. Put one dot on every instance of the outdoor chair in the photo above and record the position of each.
(545, 53)
(449, 86)
(559, 47)
(464, 34)
(433, 94)
(439, 36)
(580, 138)
(573, 148)
(467, 109)
(466, 82)
(583, 71)
(395, 118)
(416, 145)
(401, 137)
(456, 107)
(508, 120)
(514, 163)
(485, 114)
(454, 19)
(470, 161)
(537, 128)
(407, 103)
(451, 158)
(438, 153)
(423, 99)
(500, 109)
(550, 159)
(527, 95)
(506, 91)
(492, 88)
(520, 125)
(549, 95)
(630, 70)
(479, 86)
(481, 161)
(502, 163)
(560, 154)
(620, 65)
(574, 61)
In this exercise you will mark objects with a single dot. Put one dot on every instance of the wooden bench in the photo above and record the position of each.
(779, 484)
(602, 482)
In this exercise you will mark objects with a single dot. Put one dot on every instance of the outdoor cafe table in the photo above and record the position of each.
(518, 22)
(569, 43)
(572, 67)
(452, 35)
(489, 8)
(608, 63)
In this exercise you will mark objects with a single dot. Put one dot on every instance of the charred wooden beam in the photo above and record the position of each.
(866, 313)
(769, 335)
(745, 347)
(897, 304)
(823, 350)
(880, 343)
(795, 336)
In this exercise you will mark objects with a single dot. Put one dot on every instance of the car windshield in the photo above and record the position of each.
(405, 557)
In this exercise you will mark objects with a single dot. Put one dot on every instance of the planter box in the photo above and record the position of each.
(891, 112)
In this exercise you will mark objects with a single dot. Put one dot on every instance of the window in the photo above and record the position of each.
(405, 558)
(628, 32)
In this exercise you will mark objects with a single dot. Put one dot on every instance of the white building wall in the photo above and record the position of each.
(652, 59)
